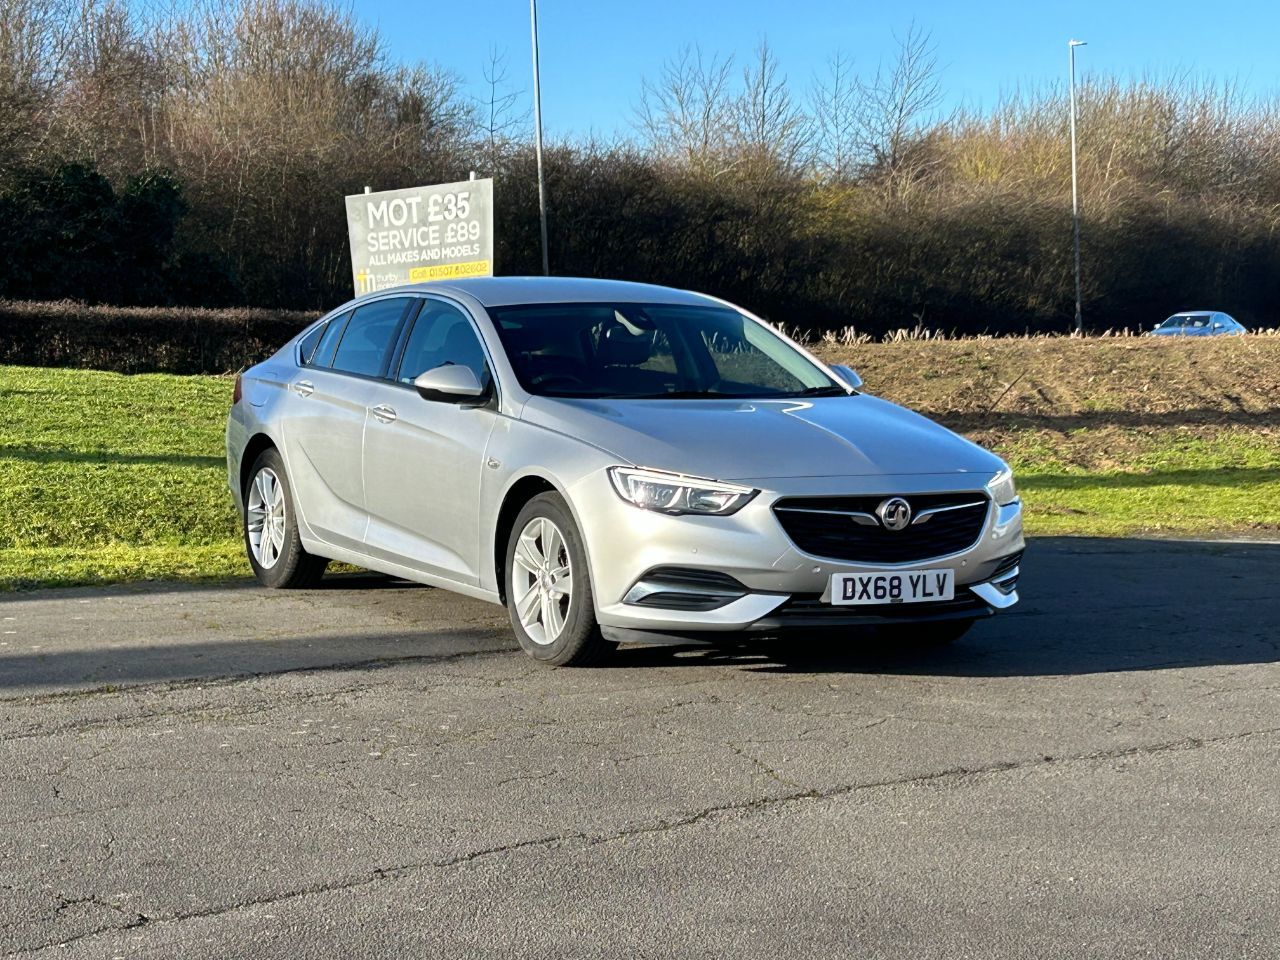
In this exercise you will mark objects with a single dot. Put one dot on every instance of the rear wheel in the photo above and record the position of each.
(271, 529)
(548, 587)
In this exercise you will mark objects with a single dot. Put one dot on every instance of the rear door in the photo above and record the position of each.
(324, 432)
(423, 458)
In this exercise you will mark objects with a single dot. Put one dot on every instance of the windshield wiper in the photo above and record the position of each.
(828, 391)
(831, 391)
(674, 395)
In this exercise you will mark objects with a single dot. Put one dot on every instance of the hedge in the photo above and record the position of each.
(141, 339)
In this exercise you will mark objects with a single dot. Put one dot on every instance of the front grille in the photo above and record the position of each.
(823, 527)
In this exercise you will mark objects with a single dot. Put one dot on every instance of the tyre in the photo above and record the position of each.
(271, 528)
(548, 587)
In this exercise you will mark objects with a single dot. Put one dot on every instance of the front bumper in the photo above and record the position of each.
(783, 588)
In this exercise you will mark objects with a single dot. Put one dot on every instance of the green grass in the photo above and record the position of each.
(107, 478)
(22, 567)
(1121, 481)
(1171, 502)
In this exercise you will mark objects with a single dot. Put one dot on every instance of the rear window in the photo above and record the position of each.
(324, 351)
(369, 336)
(307, 345)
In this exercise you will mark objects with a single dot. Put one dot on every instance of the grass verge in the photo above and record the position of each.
(106, 477)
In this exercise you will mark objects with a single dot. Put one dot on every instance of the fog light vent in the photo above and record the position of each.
(1005, 576)
(684, 588)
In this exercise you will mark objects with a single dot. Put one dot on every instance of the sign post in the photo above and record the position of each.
(437, 232)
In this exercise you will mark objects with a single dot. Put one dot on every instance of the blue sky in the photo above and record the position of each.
(595, 54)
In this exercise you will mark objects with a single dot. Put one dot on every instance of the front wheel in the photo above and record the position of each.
(271, 528)
(548, 587)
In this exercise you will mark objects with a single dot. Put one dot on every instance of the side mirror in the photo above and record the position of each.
(451, 383)
(1156, 327)
(847, 374)
(1217, 326)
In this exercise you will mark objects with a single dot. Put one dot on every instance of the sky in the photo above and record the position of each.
(595, 55)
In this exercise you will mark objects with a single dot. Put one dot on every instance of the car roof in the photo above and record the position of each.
(506, 291)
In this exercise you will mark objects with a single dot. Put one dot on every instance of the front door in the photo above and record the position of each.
(423, 458)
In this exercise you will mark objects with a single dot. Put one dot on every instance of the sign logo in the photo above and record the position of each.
(894, 513)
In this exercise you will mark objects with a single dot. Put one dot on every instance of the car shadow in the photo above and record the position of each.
(117, 667)
(1089, 605)
(42, 455)
(347, 578)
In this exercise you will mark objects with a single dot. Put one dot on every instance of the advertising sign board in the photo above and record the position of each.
(423, 233)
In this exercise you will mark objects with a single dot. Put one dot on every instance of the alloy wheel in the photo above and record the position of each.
(265, 518)
(542, 580)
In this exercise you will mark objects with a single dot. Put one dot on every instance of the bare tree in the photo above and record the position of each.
(898, 106)
(769, 130)
(111, 90)
(836, 111)
(273, 107)
(34, 39)
(500, 122)
(686, 115)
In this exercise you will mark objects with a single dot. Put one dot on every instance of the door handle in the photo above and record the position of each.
(304, 388)
(384, 413)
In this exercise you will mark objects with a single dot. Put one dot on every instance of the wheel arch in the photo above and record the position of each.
(258, 443)
(518, 494)
(523, 489)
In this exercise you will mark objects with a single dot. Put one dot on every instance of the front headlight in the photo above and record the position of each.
(676, 494)
(1002, 489)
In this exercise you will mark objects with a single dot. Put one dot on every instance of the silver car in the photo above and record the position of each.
(614, 462)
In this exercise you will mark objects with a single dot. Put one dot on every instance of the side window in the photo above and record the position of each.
(323, 355)
(442, 334)
(368, 337)
(307, 345)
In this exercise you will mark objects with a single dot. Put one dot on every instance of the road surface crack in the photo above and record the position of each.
(759, 804)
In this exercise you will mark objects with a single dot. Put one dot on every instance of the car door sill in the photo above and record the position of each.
(358, 559)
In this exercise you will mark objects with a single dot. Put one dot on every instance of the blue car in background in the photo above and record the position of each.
(1198, 323)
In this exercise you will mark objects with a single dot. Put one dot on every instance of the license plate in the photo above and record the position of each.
(905, 586)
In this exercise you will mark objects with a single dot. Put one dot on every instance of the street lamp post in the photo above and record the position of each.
(537, 136)
(1075, 190)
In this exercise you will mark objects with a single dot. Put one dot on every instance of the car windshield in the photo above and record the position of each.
(1187, 320)
(652, 351)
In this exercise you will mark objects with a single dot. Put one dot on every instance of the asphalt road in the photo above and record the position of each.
(372, 770)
